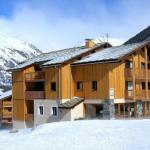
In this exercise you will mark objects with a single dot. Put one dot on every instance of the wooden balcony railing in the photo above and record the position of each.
(5, 121)
(29, 117)
(31, 95)
(128, 73)
(140, 94)
(7, 104)
(7, 114)
(39, 75)
(129, 94)
(140, 73)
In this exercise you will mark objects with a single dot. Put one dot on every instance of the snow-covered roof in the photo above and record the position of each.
(71, 103)
(112, 53)
(6, 95)
(55, 57)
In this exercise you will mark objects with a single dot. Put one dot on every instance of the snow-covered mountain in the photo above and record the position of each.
(12, 52)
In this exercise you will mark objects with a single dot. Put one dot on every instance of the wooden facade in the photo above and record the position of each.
(6, 110)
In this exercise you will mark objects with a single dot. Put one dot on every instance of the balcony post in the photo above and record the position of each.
(133, 81)
(146, 73)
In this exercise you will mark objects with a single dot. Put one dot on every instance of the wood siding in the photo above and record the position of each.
(66, 82)
(18, 89)
(117, 79)
(51, 75)
(87, 74)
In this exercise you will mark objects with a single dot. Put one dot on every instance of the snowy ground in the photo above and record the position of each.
(81, 135)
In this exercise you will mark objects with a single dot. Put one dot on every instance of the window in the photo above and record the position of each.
(143, 85)
(53, 86)
(54, 111)
(148, 66)
(94, 85)
(129, 85)
(129, 64)
(149, 85)
(41, 110)
(79, 85)
(142, 65)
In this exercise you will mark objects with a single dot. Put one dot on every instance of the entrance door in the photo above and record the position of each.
(99, 111)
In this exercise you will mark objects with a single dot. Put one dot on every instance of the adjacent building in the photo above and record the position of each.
(6, 108)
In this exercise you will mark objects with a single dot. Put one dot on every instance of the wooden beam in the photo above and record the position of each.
(119, 110)
(124, 110)
(133, 79)
(146, 73)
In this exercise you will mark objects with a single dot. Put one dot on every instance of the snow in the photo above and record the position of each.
(55, 57)
(81, 135)
(112, 53)
(5, 94)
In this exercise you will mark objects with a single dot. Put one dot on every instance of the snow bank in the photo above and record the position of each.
(81, 135)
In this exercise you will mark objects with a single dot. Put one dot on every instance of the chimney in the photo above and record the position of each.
(89, 43)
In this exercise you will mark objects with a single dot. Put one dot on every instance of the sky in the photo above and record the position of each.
(57, 24)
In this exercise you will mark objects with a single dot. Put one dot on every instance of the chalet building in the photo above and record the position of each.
(43, 87)
(95, 80)
(6, 108)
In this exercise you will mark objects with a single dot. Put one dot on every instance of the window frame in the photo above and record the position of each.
(94, 82)
(143, 65)
(78, 85)
(53, 90)
(128, 88)
(129, 64)
(143, 85)
(39, 110)
(52, 112)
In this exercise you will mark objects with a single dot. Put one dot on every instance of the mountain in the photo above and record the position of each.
(12, 52)
(141, 36)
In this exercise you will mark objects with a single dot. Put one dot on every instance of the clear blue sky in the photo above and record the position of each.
(55, 24)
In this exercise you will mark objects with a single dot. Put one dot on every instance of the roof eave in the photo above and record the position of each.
(98, 61)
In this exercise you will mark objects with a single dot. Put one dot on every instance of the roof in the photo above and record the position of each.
(71, 103)
(6, 95)
(55, 57)
(141, 36)
(111, 54)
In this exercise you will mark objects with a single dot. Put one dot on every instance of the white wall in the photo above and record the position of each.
(77, 112)
(47, 116)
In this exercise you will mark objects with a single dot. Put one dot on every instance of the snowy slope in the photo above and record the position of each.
(81, 135)
(12, 52)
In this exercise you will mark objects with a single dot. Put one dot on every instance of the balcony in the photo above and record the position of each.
(31, 95)
(6, 121)
(35, 76)
(7, 104)
(128, 73)
(7, 114)
(140, 73)
(140, 94)
(29, 117)
(129, 94)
